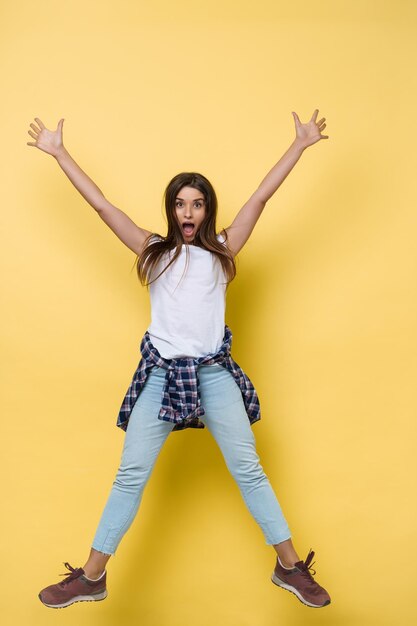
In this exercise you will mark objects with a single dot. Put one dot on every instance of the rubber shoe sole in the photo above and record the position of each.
(93, 598)
(280, 583)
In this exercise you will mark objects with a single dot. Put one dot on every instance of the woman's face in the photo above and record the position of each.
(190, 208)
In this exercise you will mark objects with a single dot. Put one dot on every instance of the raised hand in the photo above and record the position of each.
(310, 132)
(49, 141)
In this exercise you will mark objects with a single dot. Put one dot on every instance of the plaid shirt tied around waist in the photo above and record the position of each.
(180, 401)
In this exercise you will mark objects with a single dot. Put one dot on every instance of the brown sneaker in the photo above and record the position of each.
(75, 588)
(299, 580)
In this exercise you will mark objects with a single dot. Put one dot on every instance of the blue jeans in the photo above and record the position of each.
(226, 419)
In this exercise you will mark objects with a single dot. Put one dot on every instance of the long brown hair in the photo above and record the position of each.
(204, 238)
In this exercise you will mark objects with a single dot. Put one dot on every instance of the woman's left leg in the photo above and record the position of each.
(227, 420)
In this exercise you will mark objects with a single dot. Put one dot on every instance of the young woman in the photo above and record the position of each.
(186, 376)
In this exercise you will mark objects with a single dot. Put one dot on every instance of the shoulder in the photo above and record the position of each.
(221, 236)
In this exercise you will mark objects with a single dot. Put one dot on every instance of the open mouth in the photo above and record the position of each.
(188, 228)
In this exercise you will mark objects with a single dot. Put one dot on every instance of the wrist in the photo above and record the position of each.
(298, 145)
(60, 153)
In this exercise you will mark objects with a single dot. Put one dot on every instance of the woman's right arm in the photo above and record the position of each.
(126, 230)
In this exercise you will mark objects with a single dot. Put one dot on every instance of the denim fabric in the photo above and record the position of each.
(226, 419)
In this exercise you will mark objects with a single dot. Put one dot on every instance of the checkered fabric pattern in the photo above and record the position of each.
(180, 401)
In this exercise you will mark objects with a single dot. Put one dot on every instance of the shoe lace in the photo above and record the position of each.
(306, 567)
(71, 575)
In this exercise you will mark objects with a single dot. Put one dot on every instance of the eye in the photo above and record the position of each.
(178, 203)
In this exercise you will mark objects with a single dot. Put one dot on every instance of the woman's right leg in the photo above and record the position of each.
(144, 438)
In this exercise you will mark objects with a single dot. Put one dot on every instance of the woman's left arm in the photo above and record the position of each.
(306, 135)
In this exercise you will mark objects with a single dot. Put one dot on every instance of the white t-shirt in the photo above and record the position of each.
(188, 313)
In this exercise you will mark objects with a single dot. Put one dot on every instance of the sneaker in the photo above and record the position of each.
(75, 588)
(299, 580)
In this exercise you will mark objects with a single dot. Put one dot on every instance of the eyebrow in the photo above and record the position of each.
(195, 199)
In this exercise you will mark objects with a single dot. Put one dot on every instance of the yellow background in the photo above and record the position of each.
(323, 310)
